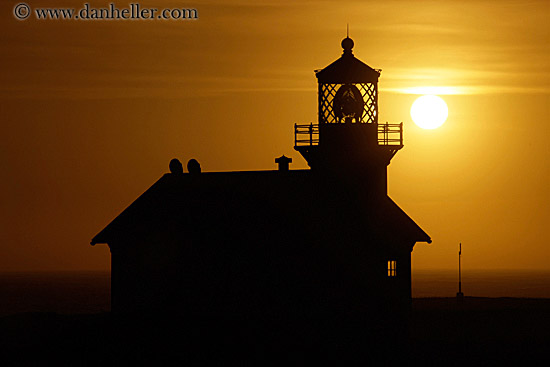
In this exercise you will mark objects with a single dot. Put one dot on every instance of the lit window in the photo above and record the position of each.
(392, 271)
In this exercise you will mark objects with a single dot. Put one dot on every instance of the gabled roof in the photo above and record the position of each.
(143, 206)
(184, 196)
(297, 200)
(397, 221)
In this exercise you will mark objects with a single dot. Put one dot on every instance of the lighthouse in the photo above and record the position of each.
(327, 240)
(348, 139)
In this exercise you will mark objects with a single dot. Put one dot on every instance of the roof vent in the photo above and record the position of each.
(176, 167)
(283, 162)
(193, 166)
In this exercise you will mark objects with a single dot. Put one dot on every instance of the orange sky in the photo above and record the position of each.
(92, 112)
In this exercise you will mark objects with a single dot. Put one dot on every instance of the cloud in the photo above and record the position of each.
(467, 46)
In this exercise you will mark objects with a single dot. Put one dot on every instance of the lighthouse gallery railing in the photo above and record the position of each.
(388, 134)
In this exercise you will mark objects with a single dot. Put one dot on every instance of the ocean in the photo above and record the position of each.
(58, 292)
(482, 283)
(89, 292)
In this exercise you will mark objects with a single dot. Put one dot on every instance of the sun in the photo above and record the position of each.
(429, 112)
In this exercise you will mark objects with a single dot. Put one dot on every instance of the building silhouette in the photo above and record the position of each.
(280, 244)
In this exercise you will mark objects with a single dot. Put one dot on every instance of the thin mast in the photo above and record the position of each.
(459, 273)
(459, 295)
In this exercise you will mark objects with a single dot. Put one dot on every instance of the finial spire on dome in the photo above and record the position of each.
(347, 43)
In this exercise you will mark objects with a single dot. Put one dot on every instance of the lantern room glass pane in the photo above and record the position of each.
(327, 92)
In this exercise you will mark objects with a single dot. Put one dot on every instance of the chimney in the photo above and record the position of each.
(283, 163)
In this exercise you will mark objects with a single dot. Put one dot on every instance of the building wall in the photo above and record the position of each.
(164, 274)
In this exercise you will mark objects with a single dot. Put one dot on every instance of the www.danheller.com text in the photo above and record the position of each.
(134, 11)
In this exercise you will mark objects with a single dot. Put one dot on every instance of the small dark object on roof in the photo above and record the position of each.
(176, 167)
(193, 166)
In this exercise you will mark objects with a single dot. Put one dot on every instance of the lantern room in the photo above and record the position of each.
(348, 90)
(348, 134)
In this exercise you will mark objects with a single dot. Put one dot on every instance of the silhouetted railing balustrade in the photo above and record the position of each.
(306, 134)
(388, 134)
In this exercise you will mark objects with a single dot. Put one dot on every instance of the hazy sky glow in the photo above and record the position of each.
(92, 112)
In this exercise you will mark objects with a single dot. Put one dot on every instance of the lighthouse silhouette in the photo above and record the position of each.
(324, 248)
(348, 140)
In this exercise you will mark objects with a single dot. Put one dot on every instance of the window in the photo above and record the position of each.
(392, 268)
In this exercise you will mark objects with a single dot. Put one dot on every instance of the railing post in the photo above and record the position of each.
(401, 133)
(311, 134)
(295, 135)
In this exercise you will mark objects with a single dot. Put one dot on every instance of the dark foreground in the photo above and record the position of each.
(481, 331)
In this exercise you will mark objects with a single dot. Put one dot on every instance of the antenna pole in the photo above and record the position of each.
(459, 273)
(347, 30)
(459, 295)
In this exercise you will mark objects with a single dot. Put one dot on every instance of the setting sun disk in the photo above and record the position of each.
(429, 111)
